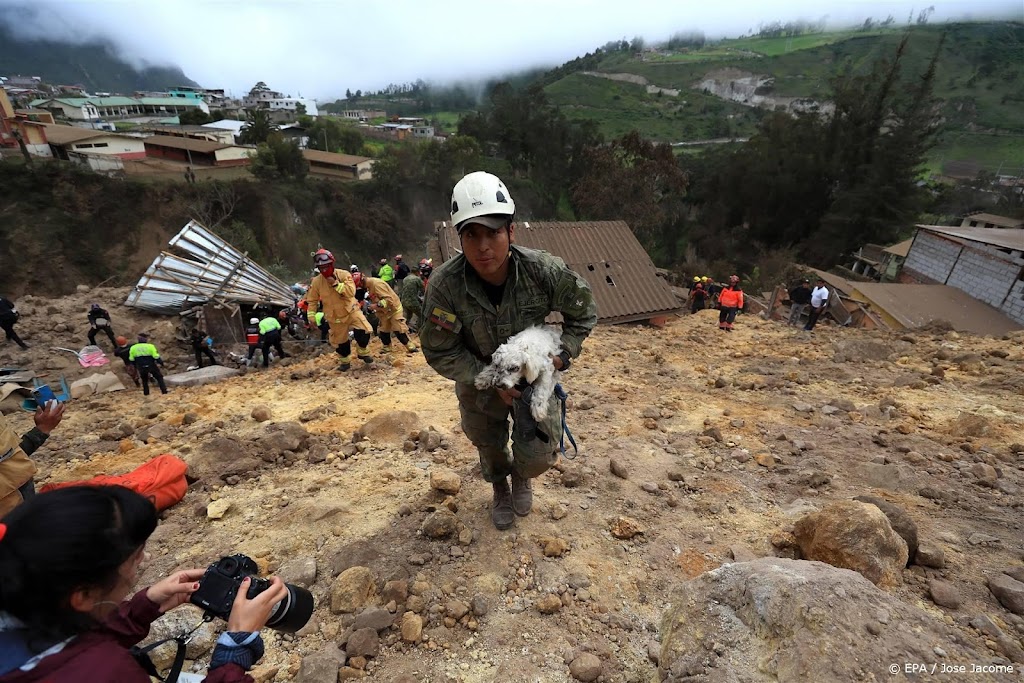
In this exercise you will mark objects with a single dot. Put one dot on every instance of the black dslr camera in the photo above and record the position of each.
(220, 583)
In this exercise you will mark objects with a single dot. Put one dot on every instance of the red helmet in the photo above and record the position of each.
(322, 257)
(303, 305)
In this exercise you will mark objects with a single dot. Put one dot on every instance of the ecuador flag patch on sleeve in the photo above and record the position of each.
(444, 319)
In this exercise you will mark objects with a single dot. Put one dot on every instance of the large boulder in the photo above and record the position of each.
(899, 520)
(773, 619)
(222, 457)
(856, 536)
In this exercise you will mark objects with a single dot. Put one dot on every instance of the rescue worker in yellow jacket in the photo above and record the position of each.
(336, 291)
(16, 469)
(386, 304)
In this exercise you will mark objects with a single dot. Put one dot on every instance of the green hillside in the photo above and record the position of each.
(979, 80)
(94, 66)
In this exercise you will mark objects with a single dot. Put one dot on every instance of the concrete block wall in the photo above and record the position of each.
(1013, 307)
(932, 256)
(983, 276)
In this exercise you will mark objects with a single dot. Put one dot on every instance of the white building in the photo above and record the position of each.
(275, 101)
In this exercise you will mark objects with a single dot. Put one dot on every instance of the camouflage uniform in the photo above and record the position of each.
(412, 295)
(462, 329)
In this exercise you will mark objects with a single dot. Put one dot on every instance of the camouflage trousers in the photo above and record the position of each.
(485, 421)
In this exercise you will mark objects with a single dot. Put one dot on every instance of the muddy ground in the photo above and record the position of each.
(724, 440)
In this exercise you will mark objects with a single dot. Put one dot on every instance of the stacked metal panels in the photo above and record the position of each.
(205, 269)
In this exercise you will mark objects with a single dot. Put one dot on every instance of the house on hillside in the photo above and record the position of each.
(89, 110)
(989, 220)
(66, 141)
(195, 132)
(987, 263)
(880, 263)
(604, 253)
(363, 114)
(197, 152)
(334, 165)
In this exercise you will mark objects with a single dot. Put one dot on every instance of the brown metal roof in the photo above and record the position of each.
(914, 306)
(900, 248)
(1007, 238)
(191, 144)
(1001, 221)
(607, 255)
(333, 158)
(58, 134)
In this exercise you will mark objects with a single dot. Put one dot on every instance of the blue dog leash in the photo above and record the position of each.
(561, 395)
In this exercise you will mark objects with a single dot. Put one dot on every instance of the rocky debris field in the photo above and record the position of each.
(762, 505)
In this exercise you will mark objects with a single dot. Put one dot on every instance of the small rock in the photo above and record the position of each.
(765, 460)
(558, 511)
(218, 508)
(439, 524)
(549, 604)
(586, 667)
(1009, 591)
(649, 487)
(553, 546)
(376, 618)
(803, 407)
(363, 643)
(352, 590)
(317, 668)
(261, 413)
(445, 481)
(479, 605)
(618, 468)
(741, 553)
(930, 556)
(300, 571)
(572, 477)
(626, 528)
(412, 627)
(944, 594)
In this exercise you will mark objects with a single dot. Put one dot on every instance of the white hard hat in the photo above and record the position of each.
(481, 194)
(254, 321)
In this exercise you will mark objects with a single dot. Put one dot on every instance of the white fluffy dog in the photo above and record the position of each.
(526, 355)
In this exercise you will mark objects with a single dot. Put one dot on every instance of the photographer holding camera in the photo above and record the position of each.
(68, 560)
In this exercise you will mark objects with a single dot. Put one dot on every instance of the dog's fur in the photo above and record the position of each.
(526, 355)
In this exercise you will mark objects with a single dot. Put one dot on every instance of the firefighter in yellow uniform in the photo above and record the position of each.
(337, 292)
(16, 469)
(386, 304)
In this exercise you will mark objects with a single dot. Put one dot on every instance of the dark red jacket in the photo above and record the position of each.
(101, 655)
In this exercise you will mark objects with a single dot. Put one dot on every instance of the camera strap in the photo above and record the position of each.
(141, 654)
(562, 396)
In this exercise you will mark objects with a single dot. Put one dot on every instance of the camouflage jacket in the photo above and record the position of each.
(412, 292)
(462, 328)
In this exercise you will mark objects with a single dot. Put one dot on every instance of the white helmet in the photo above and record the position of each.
(480, 194)
(254, 321)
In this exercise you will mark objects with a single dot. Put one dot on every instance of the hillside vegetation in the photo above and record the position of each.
(94, 66)
(978, 82)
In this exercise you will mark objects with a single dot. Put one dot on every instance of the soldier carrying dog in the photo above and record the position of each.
(475, 302)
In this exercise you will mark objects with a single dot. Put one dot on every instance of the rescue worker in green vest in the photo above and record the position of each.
(474, 303)
(336, 291)
(386, 272)
(148, 362)
(270, 333)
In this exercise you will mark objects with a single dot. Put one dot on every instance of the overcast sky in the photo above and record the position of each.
(320, 48)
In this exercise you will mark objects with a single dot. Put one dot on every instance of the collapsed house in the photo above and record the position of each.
(206, 280)
(606, 254)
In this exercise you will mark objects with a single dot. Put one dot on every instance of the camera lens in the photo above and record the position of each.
(293, 611)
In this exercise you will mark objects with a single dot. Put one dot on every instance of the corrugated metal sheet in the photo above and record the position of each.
(205, 269)
(1007, 238)
(914, 306)
(607, 255)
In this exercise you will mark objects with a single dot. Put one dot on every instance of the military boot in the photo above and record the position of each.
(522, 495)
(501, 506)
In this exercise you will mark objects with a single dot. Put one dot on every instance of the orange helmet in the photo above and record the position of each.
(122, 341)
(322, 257)
(303, 305)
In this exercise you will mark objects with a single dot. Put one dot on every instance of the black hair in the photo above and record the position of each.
(62, 541)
